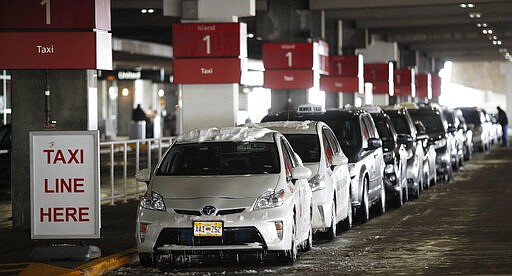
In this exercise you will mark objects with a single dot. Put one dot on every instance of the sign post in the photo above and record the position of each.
(64, 190)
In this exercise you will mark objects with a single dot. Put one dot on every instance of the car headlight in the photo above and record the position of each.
(269, 199)
(317, 183)
(152, 201)
(440, 143)
(389, 169)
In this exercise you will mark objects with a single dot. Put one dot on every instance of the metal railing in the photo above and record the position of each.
(120, 160)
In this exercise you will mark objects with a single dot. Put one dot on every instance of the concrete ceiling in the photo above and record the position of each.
(437, 28)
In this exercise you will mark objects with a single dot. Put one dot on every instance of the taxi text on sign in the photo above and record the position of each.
(209, 40)
(207, 70)
(341, 84)
(56, 50)
(64, 185)
(290, 79)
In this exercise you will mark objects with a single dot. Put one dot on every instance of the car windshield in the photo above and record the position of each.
(400, 123)
(431, 121)
(221, 158)
(383, 129)
(472, 117)
(306, 146)
(348, 133)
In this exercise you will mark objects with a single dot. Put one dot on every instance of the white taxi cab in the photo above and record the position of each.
(231, 190)
(321, 152)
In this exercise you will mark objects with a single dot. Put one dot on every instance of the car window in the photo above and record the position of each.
(400, 123)
(307, 146)
(220, 158)
(347, 132)
(431, 120)
(289, 158)
(383, 129)
(328, 150)
(332, 140)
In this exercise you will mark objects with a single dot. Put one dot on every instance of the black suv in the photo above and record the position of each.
(395, 157)
(408, 135)
(437, 130)
(356, 132)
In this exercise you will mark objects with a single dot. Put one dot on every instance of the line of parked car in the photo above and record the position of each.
(267, 189)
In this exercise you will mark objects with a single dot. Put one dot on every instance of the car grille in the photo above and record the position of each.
(219, 213)
(230, 236)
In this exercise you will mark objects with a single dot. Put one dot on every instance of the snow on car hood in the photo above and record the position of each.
(195, 187)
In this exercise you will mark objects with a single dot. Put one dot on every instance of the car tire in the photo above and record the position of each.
(363, 211)
(147, 259)
(308, 244)
(381, 203)
(398, 200)
(346, 224)
(331, 231)
(405, 193)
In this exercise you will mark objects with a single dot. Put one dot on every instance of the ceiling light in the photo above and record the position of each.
(463, 5)
(494, 37)
(249, 35)
(498, 42)
(151, 10)
(143, 11)
(474, 15)
(494, 42)
(471, 5)
(484, 31)
(481, 25)
(467, 5)
(489, 31)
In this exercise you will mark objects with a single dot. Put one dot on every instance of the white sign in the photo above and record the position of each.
(64, 185)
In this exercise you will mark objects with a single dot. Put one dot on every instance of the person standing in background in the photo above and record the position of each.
(503, 121)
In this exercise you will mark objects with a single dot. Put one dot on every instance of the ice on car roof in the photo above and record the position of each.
(287, 124)
(224, 134)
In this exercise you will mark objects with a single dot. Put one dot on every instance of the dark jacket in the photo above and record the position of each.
(502, 117)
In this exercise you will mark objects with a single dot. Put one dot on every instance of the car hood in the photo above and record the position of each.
(212, 186)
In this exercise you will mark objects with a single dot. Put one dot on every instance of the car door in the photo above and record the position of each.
(374, 159)
(300, 190)
(339, 173)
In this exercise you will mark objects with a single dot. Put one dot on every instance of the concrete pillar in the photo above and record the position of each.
(73, 106)
(506, 69)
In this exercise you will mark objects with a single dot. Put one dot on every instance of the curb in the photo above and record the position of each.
(96, 267)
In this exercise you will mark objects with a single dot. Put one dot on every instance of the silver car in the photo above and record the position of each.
(234, 190)
(320, 151)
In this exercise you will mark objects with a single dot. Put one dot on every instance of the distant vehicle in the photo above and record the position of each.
(456, 130)
(360, 142)
(436, 128)
(478, 124)
(408, 135)
(395, 157)
(235, 190)
(320, 151)
(429, 156)
(468, 135)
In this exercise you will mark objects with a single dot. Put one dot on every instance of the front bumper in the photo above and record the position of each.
(169, 231)
(322, 208)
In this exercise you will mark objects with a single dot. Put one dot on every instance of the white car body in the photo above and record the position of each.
(330, 181)
(229, 199)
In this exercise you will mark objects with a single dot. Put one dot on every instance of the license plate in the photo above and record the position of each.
(208, 228)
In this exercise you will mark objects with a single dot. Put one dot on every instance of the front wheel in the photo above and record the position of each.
(346, 224)
(364, 210)
(381, 204)
(331, 231)
(398, 200)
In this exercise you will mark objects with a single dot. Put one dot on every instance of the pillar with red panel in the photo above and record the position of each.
(405, 84)
(210, 54)
(294, 65)
(345, 75)
(423, 87)
(381, 76)
(436, 87)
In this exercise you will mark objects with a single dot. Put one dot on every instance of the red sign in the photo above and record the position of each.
(348, 65)
(55, 14)
(423, 86)
(296, 55)
(209, 40)
(383, 87)
(56, 50)
(378, 72)
(289, 79)
(436, 85)
(404, 76)
(206, 70)
(341, 84)
(405, 90)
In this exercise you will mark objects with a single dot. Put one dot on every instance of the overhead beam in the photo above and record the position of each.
(351, 4)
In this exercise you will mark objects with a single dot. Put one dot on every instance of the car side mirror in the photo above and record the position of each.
(143, 175)
(339, 160)
(374, 143)
(404, 138)
(301, 172)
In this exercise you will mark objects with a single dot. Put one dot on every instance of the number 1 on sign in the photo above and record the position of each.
(207, 40)
(48, 8)
(289, 55)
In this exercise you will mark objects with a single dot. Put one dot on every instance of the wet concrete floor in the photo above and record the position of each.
(457, 228)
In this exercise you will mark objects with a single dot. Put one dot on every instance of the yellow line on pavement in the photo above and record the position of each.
(103, 265)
